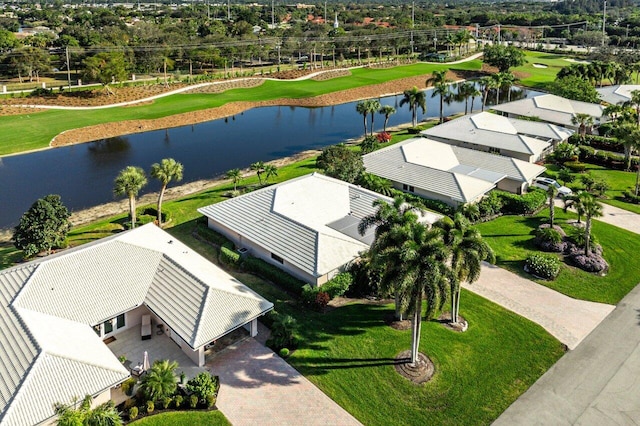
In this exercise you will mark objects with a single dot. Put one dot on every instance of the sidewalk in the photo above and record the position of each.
(569, 320)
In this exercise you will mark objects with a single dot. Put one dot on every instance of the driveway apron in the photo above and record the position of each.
(259, 387)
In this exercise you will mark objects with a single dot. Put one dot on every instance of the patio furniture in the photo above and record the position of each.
(137, 370)
(145, 328)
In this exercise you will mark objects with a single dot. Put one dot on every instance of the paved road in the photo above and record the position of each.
(258, 387)
(569, 320)
(620, 218)
(596, 384)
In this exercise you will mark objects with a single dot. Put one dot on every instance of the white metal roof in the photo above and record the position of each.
(48, 349)
(551, 108)
(496, 131)
(292, 219)
(617, 94)
(458, 173)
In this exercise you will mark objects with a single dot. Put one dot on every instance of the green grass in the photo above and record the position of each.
(511, 237)
(180, 418)
(35, 131)
(540, 77)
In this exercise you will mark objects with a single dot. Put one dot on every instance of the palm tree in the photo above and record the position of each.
(496, 83)
(440, 88)
(168, 170)
(507, 80)
(592, 208)
(392, 223)
(629, 135)
(160, 380)
(258, 167)
(103, 415)
(468, 250)
(473, 94)
(362, 109)
(373, 105)
(235, 175)
(269, 171)
(414, 98)
(387, 111)
(422, 272)
(463, 93)
(552, 191)
(584, 123)
(129, 182)
(486, 84)
(376, 184)
(575, 201)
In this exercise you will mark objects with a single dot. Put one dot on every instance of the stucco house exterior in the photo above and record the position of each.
(55, 312)
(524, 140)
(551, 109)
(307, 226)
(449, 173)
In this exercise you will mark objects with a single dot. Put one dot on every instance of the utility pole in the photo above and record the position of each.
(228, 10)
(325, 12)
(604, 21)
(208, 12)
(69, 66)
(273, 19)
(413, 16)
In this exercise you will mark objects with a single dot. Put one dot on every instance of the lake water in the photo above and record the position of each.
(83, 174)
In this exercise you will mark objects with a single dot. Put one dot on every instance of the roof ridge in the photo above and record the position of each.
(19, 390)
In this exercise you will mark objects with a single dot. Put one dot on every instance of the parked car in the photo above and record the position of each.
(545, 183)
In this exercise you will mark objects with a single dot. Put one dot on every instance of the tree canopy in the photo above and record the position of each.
(340, 162)
(503, 57)
(43, 227)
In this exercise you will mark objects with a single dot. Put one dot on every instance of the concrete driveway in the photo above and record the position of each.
(258, 387)
(596, 384)
(621, 218)
(569, 320)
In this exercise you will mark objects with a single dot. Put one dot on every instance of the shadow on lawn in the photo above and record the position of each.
(318, 365)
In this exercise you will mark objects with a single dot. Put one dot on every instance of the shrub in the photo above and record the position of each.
(229, 256)
(383, 137)
(150, 407)
(41, 92)
(309, 293)
(565, 175)
(490, 205)
(127, 386)
(575, 166)
(427, 203)
(283, 332)
(322, 300)
(203, 386)
(166, 402)
(578, 237)
(284, 352)
(211, 400)
(587, 153)
(177, 401)
(193, 401)
(207, 234)
(543, 265)
(338, 285)
(273, 274)
(133, 413)
(523, 204)
(549, 239)
(130, 403)
(415, 130)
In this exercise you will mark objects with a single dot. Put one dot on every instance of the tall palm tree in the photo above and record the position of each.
(167, 170)
(160, 380)
(129, 182)
(414, 98)
(584, 123)
(496, 83)
(486, 83)
(258, 167)
(439, 82)
(592, 208)
(392, 224)
(362, 109)
(473, 94)
(463, 93)
(468, 250)
(575, 201)
(269, 171)
(423, 273)
(387, 111)
(507, 80)
(235, 175)
(373, 105)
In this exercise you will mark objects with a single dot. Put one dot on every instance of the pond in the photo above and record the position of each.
(83, 174)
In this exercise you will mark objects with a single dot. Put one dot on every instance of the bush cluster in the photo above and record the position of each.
(283, 331)
(205, 233)
(338, 285)
(527, 203)
(543, 265)
(427, 203)
(575, 166)
(273, 274)
(550, 239)
(604, 158)
(598, 142)
(204, 387)
(631, 197)
(228, 256)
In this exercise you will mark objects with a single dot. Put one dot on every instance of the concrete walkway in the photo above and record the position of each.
(597, 384)
(569, 320)
(259, 387)
(621, 218)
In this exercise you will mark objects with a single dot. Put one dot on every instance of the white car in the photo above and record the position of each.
(545, 183)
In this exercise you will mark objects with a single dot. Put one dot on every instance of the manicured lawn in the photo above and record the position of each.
(511, 237)
(193, 418)
(35, 131)
(539, 77)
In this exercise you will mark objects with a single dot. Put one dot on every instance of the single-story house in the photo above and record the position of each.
(618, 94)
(55, 312)
(525, 140)
(552, 109)
(449, 173)
(307, 226)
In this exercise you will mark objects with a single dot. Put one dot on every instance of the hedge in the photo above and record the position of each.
(229, 256)
(338, 285)
(527, 203)
(598, 142)
(273, 274)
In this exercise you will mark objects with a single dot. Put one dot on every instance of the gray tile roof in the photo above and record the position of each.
(552, 108)
(48, 350)
(618, 94)
(292, 220)
(518, 170)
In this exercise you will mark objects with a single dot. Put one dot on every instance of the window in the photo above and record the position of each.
(493, 150)
(120, 321)
(277, 258)
(96, 328)
(108, 327)
(409, 188)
